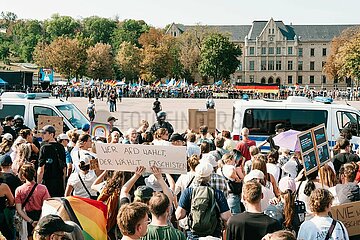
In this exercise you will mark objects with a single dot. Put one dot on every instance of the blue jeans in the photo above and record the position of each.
(112, 106)
(233, 201)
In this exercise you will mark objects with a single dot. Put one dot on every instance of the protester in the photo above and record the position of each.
(161, 137)
(279, 128)
(320, 225)
(64, 140)
(144, 125)
(6, 199)
(280, 235)
(52, 227)
(344, 156)
(253, 223)
(52, 163)
(191, 147)
(30, 197)
(130, 136)
(248, 164)
(205, 136)
(259, 163)
(9, 126)
(245, 143)
(75, 234)
(159, 229)
(23, 152)
(185, 180)
(284, 156)
(6, 143)
(272, 165)
(219, 152)
(229, 144)
(115, 137)
(133, 220)
(177, 139)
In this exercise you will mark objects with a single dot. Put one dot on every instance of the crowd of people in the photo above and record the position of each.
(231, 190)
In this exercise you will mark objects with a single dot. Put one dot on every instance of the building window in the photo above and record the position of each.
(278, 65)
(312, 66)
(272, 31)
(269, 31)
(263, 51)
(312, 79)
(270, 80)
(299, 80)
(278, 81)
(278, 50)
(290, 50)
(300, 65)
(324, 52)
(312, 52)
(324, 79)
(323, 64)
(239, 68)
(174, 34)
(239, 78)
(251, 78)
(252, 51)
(271, 50)
(263, 65)
(263, 80)
(252, 65)
(300, 52)
(289, 79)
(336, 80)
(290, 65)
(271, 65)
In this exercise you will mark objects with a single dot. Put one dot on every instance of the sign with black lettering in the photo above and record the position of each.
(126, 157)
(349, 215)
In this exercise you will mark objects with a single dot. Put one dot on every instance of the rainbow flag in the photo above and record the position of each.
(89, 214)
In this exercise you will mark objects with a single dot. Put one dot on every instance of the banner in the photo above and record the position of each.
(46, 75)
(314, 148)
(126, 157)
(56, 122)
(349, 215)
(99, 129)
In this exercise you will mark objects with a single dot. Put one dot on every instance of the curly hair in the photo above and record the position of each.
(349, 170)
(115, 182)
(319, 200)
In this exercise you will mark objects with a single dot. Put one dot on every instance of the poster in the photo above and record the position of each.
(310, 162)
(349, 215)
(55, 121)
(101, 130)
(306, 141)
(46, 74)
(127, 157)
(320, 135)
(324, 153)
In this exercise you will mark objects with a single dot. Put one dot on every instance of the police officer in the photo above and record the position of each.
(19, 124)
(161, 123)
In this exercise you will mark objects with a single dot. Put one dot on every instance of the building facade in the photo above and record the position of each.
(273, 52)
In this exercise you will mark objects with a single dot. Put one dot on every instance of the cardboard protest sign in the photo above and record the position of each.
(55, 121)
(99, 129)
(198, 117)
(314, 148)
(126, 157)
(349, 215)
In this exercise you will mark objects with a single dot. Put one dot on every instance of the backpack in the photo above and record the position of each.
(203, 217)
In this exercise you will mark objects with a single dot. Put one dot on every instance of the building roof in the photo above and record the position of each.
(303, 32)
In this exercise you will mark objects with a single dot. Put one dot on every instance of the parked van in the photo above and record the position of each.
(31, 105)
(297, 113)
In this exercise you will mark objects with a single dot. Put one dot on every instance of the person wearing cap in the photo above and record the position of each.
(111, 120)
(6, 143)
(6, 196)
(279, 128)
(51, 227)
(52, 163)
(177, 140)
(86, 128)
(285, 210)
(133, 220)
(253, 223)
(19, 124)
(245, 143)
(159, 229)
(79, 183)
(64, 140)
(9, 126)
(202, 178)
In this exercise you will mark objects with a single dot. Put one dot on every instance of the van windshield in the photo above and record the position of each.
(73, 115)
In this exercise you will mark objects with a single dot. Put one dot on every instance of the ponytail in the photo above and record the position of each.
(289, 203)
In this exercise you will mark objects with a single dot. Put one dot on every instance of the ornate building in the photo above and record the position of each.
(277, 53)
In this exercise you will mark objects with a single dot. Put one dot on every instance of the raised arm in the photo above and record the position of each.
(125, 190)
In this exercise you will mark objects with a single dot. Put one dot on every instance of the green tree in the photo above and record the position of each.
(218, 57)
(98, 29)
(100, 61)
(4, 48)
(129, 59)
(66, 56)
(7, 19)
(129, 31)
(25, 35)
(61, 26)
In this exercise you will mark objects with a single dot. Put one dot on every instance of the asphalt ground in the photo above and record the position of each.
(132, 110)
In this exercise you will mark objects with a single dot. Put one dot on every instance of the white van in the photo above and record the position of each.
(31, 105)
(297, 113)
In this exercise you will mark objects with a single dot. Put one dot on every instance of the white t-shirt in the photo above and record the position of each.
(161, 142)
(273, 170)
(79, 189)
(318, 227)
(183, 181)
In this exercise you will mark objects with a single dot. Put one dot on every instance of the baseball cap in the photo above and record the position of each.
(143, 192)
(254, 174)
(48, 128)
(5, 160)
(279, 126)
(204, 169)
(86, 158)
(287, 183)
(111, 118)
(7, 136)
(63, 136)
(176, 137)
(153, 183)
(85, 127)
(209, 158)
(53, 223)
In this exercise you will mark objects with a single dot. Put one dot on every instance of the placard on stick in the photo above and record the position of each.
(349, 215)
(127, 157)
(99, 129)
(55, 121)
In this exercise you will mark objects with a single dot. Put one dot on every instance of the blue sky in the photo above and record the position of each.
(158, 13)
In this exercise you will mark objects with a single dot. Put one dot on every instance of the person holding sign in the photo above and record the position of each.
(322, 224)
